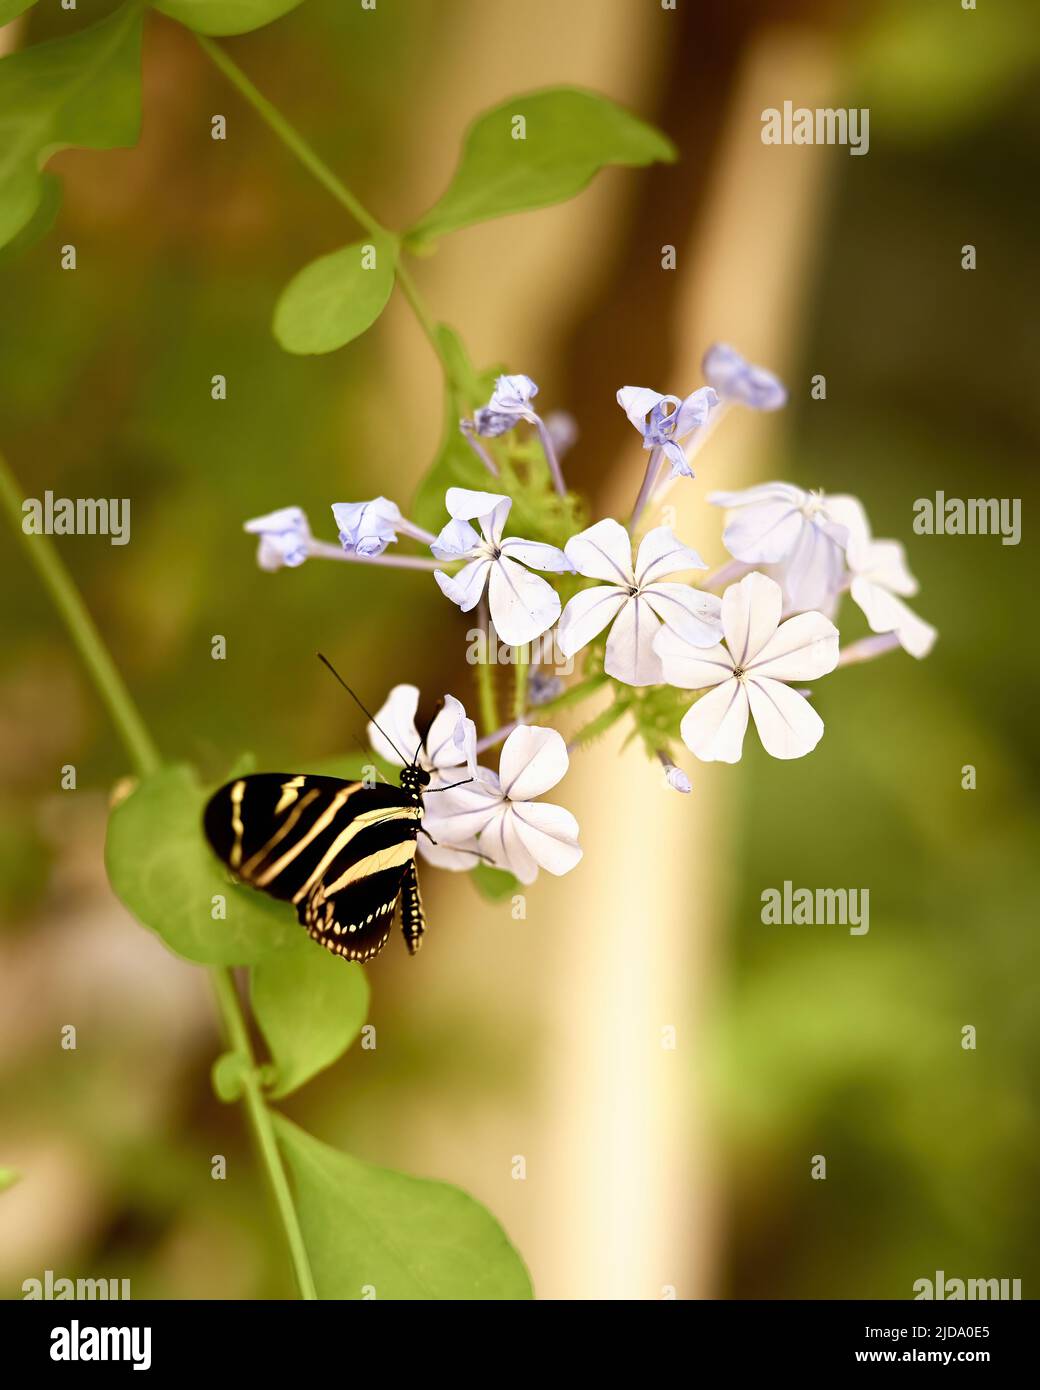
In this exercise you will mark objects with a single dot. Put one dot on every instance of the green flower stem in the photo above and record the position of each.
(143, 753)
(521, 669)
(595, 728)
(486, 679)
(43, 556)
(263, 1129)
(314, 164)
(575, 695)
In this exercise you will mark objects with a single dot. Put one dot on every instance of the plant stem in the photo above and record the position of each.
(43, 556)
(263, 1130)
(486, 676)
(575, 695)
(144, 754)
(521, 670)
(314, 164)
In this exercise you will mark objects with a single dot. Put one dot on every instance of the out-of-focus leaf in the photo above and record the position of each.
(227, 1076)
(335, 298)
(162, 869)
(310, 1007)
(8, 1178)
(11, 9)
(40, 223)
(569, 135)
(81, 90)
(494, 884)
(405, 1238)
(225, 16)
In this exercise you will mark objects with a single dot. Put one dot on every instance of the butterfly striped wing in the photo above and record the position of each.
(339, 851)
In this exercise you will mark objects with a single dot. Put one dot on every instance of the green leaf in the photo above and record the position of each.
(494, 884)
(162, 869)
(225, 16)
(406, 1238)
(310, 1007)
(40, 223)
(82, 90)
(227, 1076)
(11, 9)
(569, 136)
(8, 1178)
(335, 298)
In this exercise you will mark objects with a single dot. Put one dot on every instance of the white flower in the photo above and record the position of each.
(763, 653)
(523, 606)
(367, 528)
(448, 753)
(881, 579)
(635, 600)
(499, 812)
(666, 421)
(737, 379)
(510, 403)
(777, 523)
(285, 538)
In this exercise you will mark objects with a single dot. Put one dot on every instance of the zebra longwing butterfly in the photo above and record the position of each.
(343, 853)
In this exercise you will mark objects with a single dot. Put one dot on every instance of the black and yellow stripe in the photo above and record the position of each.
(342, 852)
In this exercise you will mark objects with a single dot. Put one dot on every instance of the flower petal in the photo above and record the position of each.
(800, 650)
(451, 738)
(454, 817)
(660, 554)
(733, 376)
(713, 729)
(532, 760)
(694, 411)
(887, 613)
(367, 528)
(603, 551)
(630, 655)
(587, 614)
(787, 724)
(814, 570)
(763, 532)
(549, 834)
(538, 555)
(637, 403)
(676, 456)
(691, 668)
(523, 605)
(466, 587)
(693, 614)
(445, 856)
(500, 841)
(396, 720)
(750, 615)
(490, 509)
(456, 540)
(884, 563)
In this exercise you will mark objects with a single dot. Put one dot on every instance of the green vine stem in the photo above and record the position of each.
(144, 755)
(294, 142)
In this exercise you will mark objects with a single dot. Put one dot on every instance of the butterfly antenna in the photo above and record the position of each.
(326, 662)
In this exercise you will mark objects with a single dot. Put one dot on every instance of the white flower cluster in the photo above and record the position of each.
(795, 553)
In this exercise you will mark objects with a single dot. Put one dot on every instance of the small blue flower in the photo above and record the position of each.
(367, 528)
(542, 687)
(736, 379)
(285, 538)
(665, 421)
(509, 404)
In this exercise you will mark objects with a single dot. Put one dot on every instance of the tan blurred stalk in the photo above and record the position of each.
(621, 1196)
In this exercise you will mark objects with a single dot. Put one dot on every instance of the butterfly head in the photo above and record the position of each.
(414, 779)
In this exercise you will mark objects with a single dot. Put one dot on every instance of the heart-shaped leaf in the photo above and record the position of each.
(162, 869)
(310, 1006)
(335, 298)
(81, 90)
(371, 1229)
(536, 149)
(225, 16)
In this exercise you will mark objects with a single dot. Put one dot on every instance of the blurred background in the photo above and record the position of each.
(648, 1169)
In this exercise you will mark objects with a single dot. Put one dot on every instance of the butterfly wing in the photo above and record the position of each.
(337, 850)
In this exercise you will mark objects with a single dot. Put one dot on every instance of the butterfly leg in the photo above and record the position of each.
(413, 923)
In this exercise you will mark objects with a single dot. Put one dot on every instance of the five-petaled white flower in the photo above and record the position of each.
(367, 528)
(499, 814)
(510, 403)
(448, 753)
(285, 538)
(780, 524)
(665, 421)
(749, 677)
(635, 600)
(881, 579)
(737, 379)
(523, 605)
